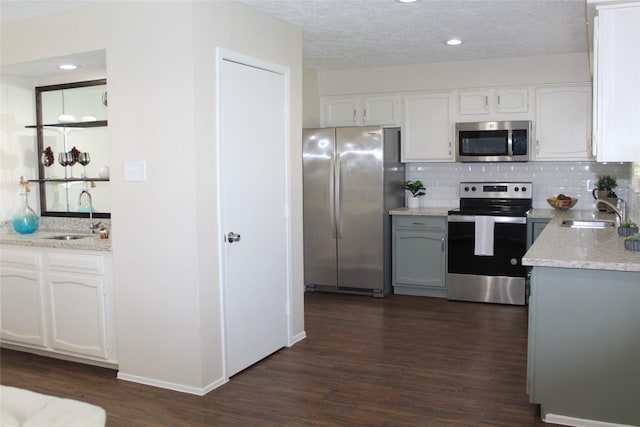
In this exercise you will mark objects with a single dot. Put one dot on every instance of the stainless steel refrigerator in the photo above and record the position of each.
(352, 178)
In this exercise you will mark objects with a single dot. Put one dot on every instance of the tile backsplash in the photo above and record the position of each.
(576, 179)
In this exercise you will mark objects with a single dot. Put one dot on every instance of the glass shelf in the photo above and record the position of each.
(91, 124)
(70, 180)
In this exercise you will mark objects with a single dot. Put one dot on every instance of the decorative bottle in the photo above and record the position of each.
(25, 220)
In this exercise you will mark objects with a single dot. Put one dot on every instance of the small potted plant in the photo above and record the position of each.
(632, 243)
(417, 189)
(627, 228)
(604, 190)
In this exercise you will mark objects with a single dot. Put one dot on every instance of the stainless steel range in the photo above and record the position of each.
(487, 239)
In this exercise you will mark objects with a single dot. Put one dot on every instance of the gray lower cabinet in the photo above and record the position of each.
(534, 228)
(584, 345)
(419, 255)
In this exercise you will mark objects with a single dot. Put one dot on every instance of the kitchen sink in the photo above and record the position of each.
(68, 237)
(588, 223)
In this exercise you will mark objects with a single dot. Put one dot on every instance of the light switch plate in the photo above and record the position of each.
(135, 170)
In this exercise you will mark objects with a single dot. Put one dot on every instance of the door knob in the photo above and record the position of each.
(233, 237)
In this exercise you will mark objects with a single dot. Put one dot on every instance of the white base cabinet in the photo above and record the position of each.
(419, 256)
(63, 305)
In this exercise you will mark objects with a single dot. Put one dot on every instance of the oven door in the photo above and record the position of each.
(500, 278)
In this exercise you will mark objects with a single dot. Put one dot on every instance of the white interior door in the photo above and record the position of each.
(254, 207)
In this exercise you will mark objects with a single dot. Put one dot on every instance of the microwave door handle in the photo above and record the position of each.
(510, 143)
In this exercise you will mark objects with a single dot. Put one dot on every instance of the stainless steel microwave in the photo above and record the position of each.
(493, 141)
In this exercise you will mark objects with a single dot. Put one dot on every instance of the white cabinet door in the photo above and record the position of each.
(21, 306)
(360, 110)
(340, 111)
(512, 100)
(21, 297)
(563, 123)
(617, 83)
(76, 291)
(490, 104)
(381, 110)
(427, 128)
(474, 102)
(77, 308)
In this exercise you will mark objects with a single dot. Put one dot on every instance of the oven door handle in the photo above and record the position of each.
(496, 219)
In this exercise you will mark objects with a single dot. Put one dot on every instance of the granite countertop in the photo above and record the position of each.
(55, 226)
(433, 211)
(581, 248)
(40, 239)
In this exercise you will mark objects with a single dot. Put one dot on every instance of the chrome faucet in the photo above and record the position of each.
(92, 226)
(621, 212)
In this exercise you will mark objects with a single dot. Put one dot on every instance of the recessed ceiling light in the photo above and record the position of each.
(406, 1)
(67, 66)
(454, 42)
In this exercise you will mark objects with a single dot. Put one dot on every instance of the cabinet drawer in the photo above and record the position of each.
(79, 263)
(20, 258)
(420, 222)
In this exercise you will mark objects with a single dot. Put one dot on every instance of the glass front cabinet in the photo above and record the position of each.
(73, 148)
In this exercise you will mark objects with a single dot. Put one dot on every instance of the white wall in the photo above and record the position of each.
(18, 146)
(162, 92)
(450, 75)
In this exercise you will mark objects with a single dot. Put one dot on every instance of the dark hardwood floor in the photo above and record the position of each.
(395, 361)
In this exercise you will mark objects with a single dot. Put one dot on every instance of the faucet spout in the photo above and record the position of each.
(621, 211)
(92, 226)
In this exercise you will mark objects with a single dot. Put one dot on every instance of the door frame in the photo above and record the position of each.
(228, 55)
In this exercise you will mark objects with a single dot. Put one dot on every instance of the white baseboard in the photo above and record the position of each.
(297, 338)
(172, 386)
(578, 422)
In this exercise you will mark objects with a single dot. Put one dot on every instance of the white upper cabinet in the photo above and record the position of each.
(492, 104)
(427, 131)
(360, 110)
(617, 83)
(563, 123)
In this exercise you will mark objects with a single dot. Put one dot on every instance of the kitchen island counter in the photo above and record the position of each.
(581, 248)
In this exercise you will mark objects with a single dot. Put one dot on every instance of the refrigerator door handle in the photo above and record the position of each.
(338, 199)
(332, 198)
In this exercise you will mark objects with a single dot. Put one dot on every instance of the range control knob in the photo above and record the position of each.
(516, 189)
(473, 188)
(524, 189)
(466, 188)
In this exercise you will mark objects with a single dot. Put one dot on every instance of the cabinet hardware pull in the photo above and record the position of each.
(365, 114)
(442, 241)
(354, 115)
(419, 223)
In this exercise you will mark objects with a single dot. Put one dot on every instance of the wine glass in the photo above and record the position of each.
(65, 159)
(46, 160)
(84, 159)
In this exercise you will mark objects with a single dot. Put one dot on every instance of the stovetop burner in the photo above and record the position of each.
(494, 199)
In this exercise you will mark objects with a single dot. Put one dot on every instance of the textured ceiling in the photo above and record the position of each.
(345, 34)
(342, 34)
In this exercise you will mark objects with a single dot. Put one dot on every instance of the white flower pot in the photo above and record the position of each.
(413, 202)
